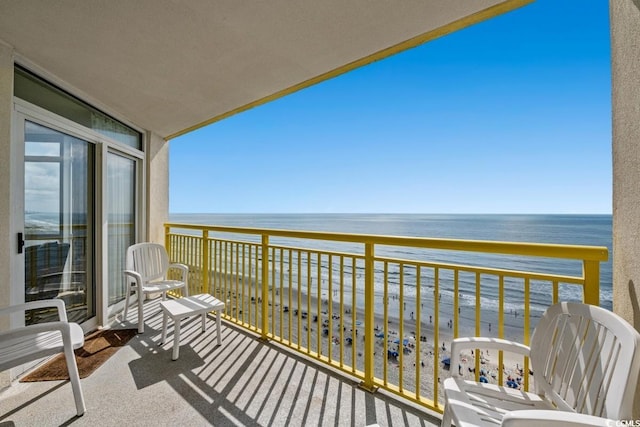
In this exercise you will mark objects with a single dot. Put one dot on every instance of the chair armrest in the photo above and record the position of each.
(184, 268)
(460, 344)
(551, 418)
(62, 326)
(33, 342)
(31, 305)
(134, 275)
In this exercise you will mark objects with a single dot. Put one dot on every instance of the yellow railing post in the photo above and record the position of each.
(205, 262)
(591, 274)
(167, 239)
(265, 286)
(368, 317)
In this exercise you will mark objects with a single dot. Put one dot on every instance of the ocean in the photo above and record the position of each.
(591, 230)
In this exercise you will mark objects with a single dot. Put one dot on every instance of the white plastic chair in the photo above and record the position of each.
(585, 363)
(28, 343)
(148, 264)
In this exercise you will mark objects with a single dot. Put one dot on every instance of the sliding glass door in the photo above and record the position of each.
(59, 222)
(121, 204)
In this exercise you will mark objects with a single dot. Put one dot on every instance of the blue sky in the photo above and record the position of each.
(512, 115)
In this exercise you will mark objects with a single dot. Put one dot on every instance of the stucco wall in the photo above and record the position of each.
(6, 242)
(6, 97)
(157, 178)
(625, 70)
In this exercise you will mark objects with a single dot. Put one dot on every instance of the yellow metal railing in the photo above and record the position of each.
(374, 314)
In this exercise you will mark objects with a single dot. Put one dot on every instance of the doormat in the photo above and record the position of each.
(97, 348)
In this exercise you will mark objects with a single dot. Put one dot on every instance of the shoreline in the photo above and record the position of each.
(513, 320)
(340, 336)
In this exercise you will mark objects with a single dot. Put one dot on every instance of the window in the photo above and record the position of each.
(36, 91)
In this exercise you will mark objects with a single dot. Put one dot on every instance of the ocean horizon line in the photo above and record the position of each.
(391, 213)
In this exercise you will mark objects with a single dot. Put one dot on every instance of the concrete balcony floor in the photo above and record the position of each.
(243, 382)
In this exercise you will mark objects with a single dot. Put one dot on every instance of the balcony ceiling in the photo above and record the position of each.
(171, 66)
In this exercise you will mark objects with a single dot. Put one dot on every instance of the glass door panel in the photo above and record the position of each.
(121, 174)
(59, 218)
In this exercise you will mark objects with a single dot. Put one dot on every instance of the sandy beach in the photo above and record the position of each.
(404, 352)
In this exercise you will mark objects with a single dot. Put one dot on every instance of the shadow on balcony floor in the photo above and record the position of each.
(243, 382)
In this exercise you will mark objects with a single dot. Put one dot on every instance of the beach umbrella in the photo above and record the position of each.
(447, 363)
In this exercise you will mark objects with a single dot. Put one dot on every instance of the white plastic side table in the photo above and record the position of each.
(183, 308)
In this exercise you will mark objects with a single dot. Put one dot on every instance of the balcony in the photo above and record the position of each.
(246, 381)
(312, 330)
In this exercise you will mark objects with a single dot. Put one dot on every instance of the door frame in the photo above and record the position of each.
(25, 111)
(111, 311)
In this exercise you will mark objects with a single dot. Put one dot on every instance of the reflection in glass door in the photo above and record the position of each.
(59, 217)
(121, 173)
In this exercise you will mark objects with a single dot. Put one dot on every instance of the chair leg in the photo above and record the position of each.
(74, 377)
(176, 338)
(165, 318)
(140, 312)
(126, 302)
(446, 417)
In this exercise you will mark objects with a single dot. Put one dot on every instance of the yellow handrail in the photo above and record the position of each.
(590, 253)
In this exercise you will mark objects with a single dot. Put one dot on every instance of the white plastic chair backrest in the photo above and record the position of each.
(586, 359)
(150, 260)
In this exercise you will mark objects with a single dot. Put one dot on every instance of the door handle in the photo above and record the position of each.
(20, 242)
